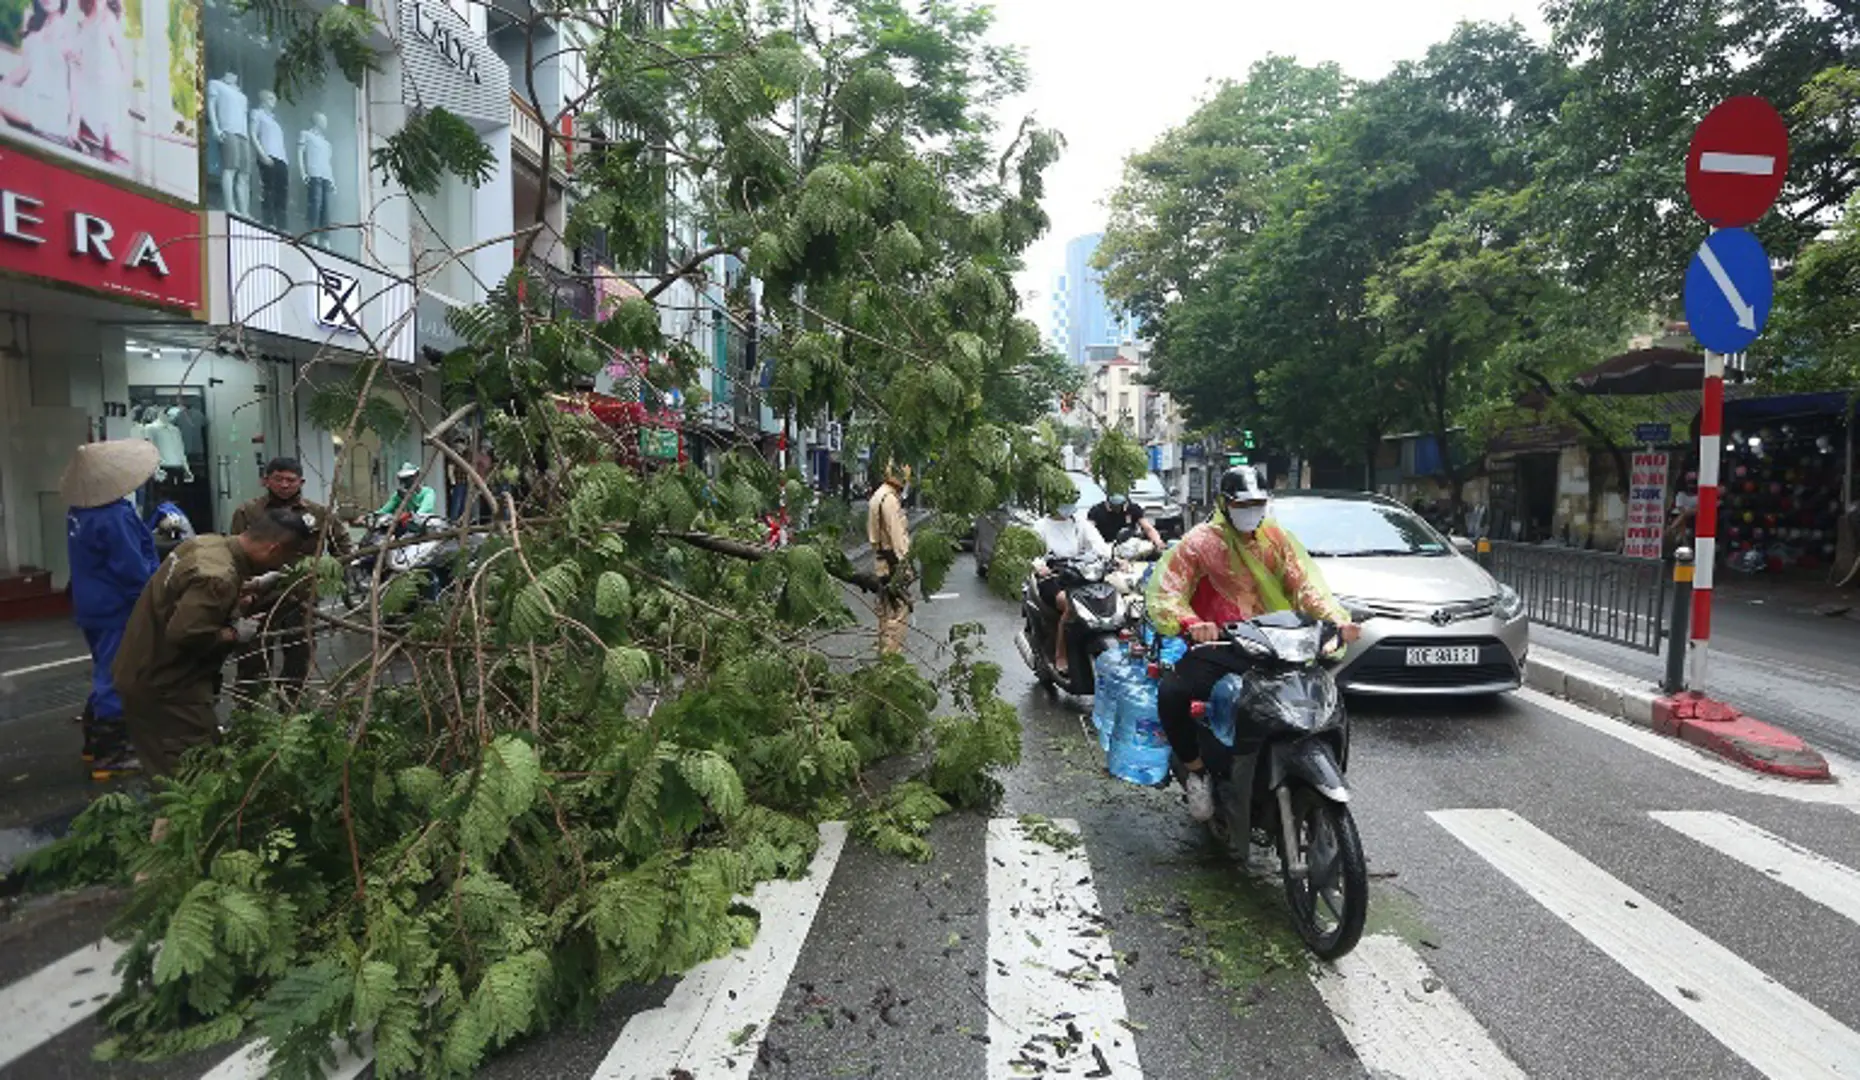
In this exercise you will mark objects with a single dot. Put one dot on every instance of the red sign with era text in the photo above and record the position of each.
(67, 227)
(1737, 162)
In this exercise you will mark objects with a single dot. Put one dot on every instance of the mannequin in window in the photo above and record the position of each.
(316, 163)
(229, 124)
(274, 170)
(161, 431)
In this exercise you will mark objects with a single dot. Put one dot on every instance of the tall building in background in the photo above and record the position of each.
(1082, 316)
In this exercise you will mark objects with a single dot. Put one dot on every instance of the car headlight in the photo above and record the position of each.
(1510, 604)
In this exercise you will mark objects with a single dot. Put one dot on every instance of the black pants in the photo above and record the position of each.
(1192, 680)
(274, 193)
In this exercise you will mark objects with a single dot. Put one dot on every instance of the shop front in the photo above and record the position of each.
(85, 265)
(307, 319)
(1786, 481)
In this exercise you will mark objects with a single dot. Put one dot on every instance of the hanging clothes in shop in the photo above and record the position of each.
(193, 428)
(169, 444)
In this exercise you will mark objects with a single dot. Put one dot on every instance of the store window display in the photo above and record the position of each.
(292, 164)
(1780, 504)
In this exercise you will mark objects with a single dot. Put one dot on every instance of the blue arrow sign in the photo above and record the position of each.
(1728, 291)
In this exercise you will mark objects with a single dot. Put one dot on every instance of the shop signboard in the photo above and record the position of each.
(659, 443)
(265, 282)
(70, 228)
(444, 65)
(1646, 520)
(116, 90)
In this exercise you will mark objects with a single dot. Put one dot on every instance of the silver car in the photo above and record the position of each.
(1438, 623)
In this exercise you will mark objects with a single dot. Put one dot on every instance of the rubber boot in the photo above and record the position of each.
(115, 756)
(88, 724)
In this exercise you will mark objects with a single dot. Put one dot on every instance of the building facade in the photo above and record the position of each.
(1082, 316)
(187, 255)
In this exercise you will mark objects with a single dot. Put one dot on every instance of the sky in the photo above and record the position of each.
(1112, 75)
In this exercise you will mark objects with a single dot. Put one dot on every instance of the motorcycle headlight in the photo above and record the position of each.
(1510, 604)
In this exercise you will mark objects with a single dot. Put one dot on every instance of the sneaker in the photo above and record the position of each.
(1200, 796)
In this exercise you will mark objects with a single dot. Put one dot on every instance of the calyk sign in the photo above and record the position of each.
(66, 227)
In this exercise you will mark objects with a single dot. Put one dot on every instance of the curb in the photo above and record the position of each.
(1714, 728)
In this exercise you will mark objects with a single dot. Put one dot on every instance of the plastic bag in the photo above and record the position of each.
(1139, 750)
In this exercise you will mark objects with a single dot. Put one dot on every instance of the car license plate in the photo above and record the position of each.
(1443, 655)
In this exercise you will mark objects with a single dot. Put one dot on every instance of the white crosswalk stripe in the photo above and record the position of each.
(1403, 1021)
(1054, 1003)
(1777, 1031)
(714, 1022)
(53, 998)
(1821, 879)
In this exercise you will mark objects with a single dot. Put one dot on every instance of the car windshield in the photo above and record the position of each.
(1090, 494)
(1340, 528)
(1149, 489)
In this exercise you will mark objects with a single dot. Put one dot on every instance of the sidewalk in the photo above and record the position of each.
(1781, 651)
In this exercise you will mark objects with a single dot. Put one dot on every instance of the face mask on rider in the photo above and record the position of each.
(1247, 518)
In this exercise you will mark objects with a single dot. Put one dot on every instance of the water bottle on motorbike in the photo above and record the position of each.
(1107, 691)
(1223, 706)
(1139, 750)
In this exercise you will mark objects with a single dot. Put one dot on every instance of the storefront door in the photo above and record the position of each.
(216, 419)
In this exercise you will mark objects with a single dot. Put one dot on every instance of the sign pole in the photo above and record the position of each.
(1705, 555)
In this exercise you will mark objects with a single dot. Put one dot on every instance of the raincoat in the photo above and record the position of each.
(421, 500)
(1216, 575)
(112, 557)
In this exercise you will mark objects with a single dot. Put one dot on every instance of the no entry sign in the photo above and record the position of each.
(1736, 165)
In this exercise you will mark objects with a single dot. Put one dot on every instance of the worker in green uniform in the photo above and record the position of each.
(285, 618)
(190, 616)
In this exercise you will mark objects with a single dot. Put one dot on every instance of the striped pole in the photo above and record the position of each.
(1705, 556)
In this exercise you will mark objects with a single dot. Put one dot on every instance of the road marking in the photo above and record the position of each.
(945, 595)
(1821, 879)
(1717, 161)
(1844, 791)
(47, 666)
(1402, 1021)
(699, 1031)
(59, 995)
(1054, 1002)
(1757, 1018)
(252, 1061)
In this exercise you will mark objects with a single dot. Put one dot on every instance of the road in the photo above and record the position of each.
(1555, 895)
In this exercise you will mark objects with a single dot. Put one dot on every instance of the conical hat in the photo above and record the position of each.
(101, 473)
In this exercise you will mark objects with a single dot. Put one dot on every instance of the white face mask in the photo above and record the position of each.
(1246, 518)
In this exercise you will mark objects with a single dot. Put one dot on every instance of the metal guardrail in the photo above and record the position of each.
(1596, 594)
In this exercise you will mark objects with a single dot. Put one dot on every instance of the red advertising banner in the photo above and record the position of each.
(67, 227)
(1646, 508)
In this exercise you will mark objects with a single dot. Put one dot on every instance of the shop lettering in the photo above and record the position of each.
(451, 47)
(90, 234)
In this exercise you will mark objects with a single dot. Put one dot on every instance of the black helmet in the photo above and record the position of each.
(1240, 483)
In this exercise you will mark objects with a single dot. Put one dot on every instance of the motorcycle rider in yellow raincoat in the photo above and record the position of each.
(1235, 567)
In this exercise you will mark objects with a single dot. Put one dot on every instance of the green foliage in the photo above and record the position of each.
(430, 145)
(570, 767)
(1015, 550)
(1118, 461)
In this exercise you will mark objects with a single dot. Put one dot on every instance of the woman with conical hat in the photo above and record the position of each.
(112, 557)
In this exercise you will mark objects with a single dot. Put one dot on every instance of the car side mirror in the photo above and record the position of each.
(1464, 545)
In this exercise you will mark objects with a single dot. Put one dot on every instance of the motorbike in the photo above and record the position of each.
(431, 556)
(1099, 612)
(1275, 741)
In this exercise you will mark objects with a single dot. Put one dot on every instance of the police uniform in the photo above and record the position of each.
(285, 623)
(890, 536)
(168, 666)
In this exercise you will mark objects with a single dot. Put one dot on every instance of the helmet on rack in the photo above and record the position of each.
(1240, 483)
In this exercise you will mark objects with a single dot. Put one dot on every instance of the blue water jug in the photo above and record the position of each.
(1108, 672)
(1224, 707)
(1171, 651)
(1139, 749)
